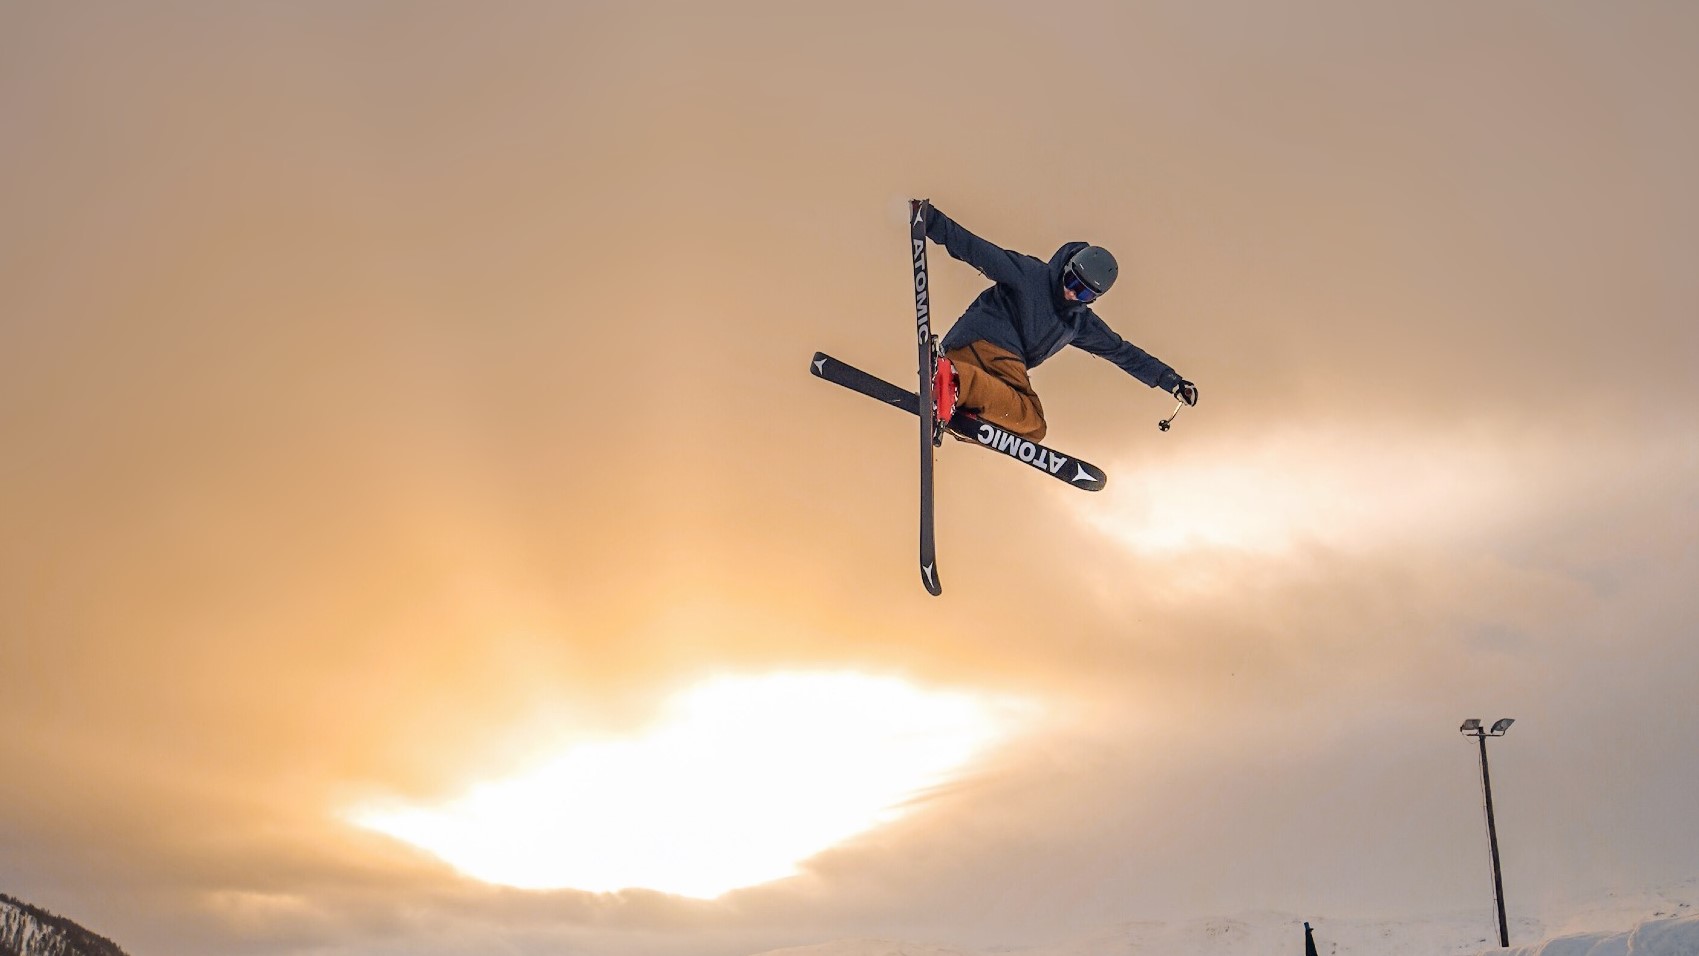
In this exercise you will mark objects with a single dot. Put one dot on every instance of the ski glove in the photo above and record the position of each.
(1186, 392)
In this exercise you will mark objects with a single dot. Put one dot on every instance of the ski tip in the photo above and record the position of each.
(1089, 480)
(817, 364)
(929, 577)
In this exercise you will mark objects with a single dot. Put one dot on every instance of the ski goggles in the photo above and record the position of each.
(1074, 284)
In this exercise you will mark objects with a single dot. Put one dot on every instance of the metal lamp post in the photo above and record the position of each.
(1472, 728)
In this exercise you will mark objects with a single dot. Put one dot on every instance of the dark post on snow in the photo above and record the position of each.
(1472, 728)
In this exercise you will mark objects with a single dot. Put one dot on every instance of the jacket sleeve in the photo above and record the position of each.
(995, 262)
(1098, 338)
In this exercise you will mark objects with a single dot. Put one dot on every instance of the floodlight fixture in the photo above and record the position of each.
(1473, 723)
(1502, 725)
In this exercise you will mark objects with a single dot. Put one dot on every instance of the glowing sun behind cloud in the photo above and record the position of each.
(741, 780)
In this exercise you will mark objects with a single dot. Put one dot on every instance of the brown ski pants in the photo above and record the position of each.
(995, 386)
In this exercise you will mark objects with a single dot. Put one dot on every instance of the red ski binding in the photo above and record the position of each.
(944, 386)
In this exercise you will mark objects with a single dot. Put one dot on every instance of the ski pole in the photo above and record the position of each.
(1163, 425)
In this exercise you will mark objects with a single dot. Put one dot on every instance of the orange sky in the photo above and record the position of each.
(389, 390)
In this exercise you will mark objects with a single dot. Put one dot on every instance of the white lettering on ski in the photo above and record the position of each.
(922, 313)
(1017, 447)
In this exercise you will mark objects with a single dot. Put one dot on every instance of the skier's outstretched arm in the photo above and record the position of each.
(1098, 338)
(998, 264)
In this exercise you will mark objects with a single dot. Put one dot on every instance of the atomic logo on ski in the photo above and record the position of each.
(820, 367)
(923, 318)
(1021, 449)
(1084, 475)
(931, 582)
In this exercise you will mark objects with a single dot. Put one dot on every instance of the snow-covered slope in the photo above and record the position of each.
(871, 947)
(1663, 937)
(1664, 923)
(28, 931)
(1263, 934)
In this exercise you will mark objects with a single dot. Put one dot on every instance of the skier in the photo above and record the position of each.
(1033, 310)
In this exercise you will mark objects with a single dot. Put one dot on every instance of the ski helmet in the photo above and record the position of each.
(1094, 267)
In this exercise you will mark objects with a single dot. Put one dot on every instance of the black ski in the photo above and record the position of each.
(926, 347)
(1065, 468)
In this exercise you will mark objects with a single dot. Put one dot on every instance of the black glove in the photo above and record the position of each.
(1186, 392)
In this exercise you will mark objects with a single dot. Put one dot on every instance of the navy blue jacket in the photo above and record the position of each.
(1025, 313)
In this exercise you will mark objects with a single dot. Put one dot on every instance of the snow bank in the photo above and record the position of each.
(1275, 934)
(1661, 937)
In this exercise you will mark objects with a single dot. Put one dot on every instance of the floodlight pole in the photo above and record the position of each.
(1481, 735)
(1492, 838)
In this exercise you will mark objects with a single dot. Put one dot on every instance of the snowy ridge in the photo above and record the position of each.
(1658, 924)
(1615, 912)
(1261, 934)
(28, 931)
(870, 947)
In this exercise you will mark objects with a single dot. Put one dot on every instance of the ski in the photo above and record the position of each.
(929, 433)
(1066, 468)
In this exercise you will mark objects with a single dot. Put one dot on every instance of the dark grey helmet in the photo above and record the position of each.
(1094, 266)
